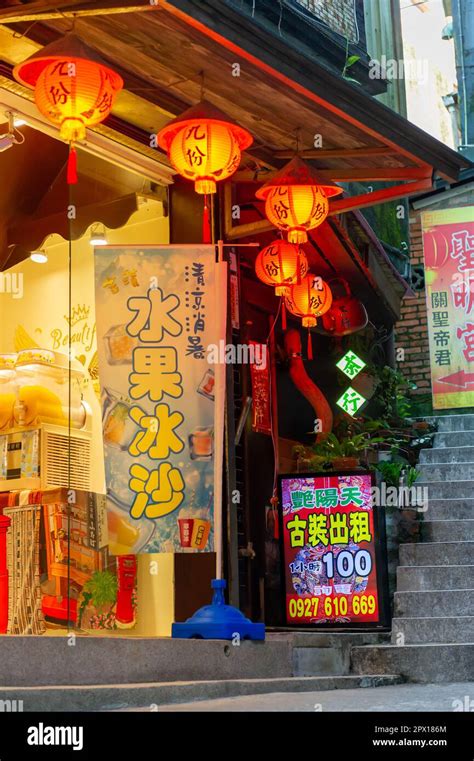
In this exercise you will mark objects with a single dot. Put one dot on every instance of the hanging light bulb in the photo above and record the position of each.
(98, 236)
(39, 257)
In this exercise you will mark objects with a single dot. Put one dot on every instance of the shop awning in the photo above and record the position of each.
(35, 196)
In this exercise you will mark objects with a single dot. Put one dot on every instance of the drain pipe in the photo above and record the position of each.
(463, 27)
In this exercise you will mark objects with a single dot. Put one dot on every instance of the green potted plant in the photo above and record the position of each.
(98, 598)
(342, 453)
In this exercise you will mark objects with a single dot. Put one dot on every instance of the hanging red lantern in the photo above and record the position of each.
(347, 314)
(204, 145)
(74, 88)
(309, 300)
(281, 264)
(296, 199)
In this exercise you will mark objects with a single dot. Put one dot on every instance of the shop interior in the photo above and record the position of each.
(62, 561)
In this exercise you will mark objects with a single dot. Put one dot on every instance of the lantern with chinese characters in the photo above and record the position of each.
(309, 300)
(74, 88)
(296, 199)
(281, 264)
(204, 145)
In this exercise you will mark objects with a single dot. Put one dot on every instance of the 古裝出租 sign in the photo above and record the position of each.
(333, 550)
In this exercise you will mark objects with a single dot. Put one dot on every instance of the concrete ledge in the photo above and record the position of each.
(44, 660)
(151, 696)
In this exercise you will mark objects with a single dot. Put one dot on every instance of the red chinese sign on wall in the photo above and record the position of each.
(261, 400)
(448, 246)
(331, 550)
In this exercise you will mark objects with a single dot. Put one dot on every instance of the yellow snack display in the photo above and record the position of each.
(40, 405)
(8, 388)
(7, 402)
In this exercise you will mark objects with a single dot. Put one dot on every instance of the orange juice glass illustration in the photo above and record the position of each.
(200, 535)
(201, 444)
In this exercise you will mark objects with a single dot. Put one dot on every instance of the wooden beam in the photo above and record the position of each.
(21, 11)
(379, 174)
(249, 229)
(336, 153)
(379, 196)
(52, 9)
(338, 206)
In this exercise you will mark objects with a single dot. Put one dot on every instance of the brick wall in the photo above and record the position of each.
(411, 332)
(339, 15)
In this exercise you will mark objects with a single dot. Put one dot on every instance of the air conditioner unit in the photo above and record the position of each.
(45, 456)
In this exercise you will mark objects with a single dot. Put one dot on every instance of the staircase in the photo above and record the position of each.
(433, 625)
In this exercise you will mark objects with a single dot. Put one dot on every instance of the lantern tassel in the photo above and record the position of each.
(72, 166)
(206, 222)
(310, 345)
(283, 314)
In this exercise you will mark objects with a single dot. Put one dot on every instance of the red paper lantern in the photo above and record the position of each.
(296, 199)
(281, 264)
(74, 88)
(204, 145)
(309, 300)
(347, 314)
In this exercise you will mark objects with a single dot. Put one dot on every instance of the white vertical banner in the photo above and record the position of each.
(158, 310)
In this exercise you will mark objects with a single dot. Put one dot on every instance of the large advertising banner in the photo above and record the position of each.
(448, 246)
(155, 311)
(332, 551)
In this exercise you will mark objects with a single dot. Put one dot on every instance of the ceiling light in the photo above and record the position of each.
(40, 257)
(98, 236)
(11, 136)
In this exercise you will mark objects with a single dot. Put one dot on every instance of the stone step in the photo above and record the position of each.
(444, 602)
(437, 553)
(445, 471)
(419, 578)
(430, 629)
(450, 509)
(452, 530)
(31, 661)
(433, 663)
(455, 423)
(461, 489)
(447, 454)
(454, 439)
(321, 661)
(122, 696)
